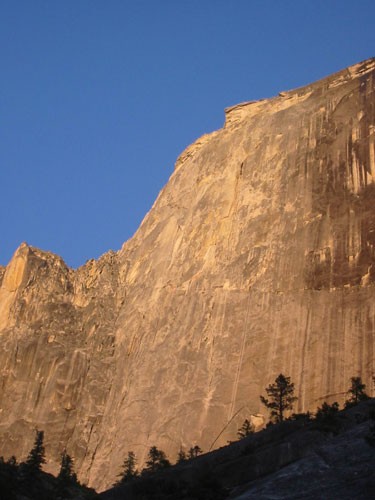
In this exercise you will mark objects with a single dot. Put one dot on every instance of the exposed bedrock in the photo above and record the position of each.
(257, 258)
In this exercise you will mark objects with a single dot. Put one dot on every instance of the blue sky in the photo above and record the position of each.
(99, 97)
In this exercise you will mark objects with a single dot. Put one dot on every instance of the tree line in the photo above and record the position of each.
(29, 477)
(281, 398)
(279, 401)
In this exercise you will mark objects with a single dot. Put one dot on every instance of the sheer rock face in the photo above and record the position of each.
(257, 258)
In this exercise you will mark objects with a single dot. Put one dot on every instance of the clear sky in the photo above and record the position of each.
(99, 97)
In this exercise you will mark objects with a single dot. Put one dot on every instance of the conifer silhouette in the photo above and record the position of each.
(36, 457)
(246, 429)
(194, 451)
(67, 474)
(181, 456)
(281, 394)
(357, 392)
(157, 459)
(129, 471)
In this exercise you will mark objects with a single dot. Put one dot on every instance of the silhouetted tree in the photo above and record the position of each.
(67, 474)
(326, 417)
(304, 417)
(246, 429)
(181, 456)
(129, 472)
(194, 451)
(357, 392)
(157, 460)
(27, 481)
(66, 478)
(327, 411)
(36, 457)
(281, 394)
(8, 479)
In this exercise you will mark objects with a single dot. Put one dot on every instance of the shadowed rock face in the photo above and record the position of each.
(257, 258)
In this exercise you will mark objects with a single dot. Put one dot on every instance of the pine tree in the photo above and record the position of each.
(194, 451)
(326, 411)
(357, 392)
(281, 397)
(67, 474)
(181, 456)
(36, 457)
(157, 459)
(129, 471)
(326, 417)
(246, 429)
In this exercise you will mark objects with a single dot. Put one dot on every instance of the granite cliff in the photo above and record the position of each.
(257, 258)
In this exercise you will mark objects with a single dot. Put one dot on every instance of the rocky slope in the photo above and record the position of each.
(331, 458)
(257, 258)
